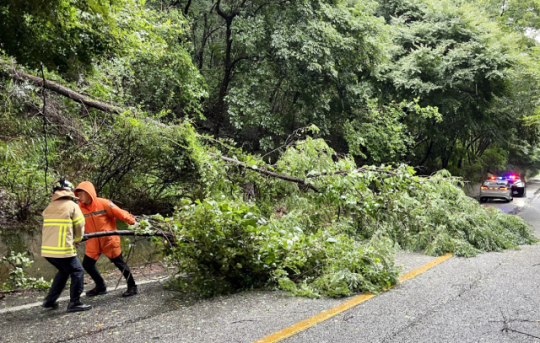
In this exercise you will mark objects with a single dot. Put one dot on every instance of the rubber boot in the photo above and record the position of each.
(130, 291)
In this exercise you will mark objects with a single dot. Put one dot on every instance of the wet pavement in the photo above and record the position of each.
(158, 314)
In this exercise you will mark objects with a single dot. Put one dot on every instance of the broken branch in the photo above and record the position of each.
(272, 174)
(57, 88)
(169, 236)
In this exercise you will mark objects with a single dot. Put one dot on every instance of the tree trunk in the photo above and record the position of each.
(426, 156)
(220, 108)
(57, 88)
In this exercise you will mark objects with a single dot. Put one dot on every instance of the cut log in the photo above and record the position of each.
(57, 88)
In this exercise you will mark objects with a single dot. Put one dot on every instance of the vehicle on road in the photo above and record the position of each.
(496, 188)
(518, 185)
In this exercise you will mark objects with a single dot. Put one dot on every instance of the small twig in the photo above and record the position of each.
(245, 320)
(289, 141)
(507, 329)
(346, 319)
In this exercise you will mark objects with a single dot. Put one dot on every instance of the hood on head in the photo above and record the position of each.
(63, 193)
(88, 187)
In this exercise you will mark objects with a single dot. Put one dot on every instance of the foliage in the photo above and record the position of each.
(21, 155)
(18, 276)
(226, 246)
(456, 59)
(160, 79)
(521, 15)
(142, 164)
(436, 217)
(68, 34)
(381, 131)
(272, 67)
(337, 242)
(377, 86)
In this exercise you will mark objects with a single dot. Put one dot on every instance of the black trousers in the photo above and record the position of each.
(68, 266)
(89, 265)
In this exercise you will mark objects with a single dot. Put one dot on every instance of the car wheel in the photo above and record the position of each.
(482, 200)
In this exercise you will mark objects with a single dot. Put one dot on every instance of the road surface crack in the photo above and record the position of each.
(465, 289)
(506, 325)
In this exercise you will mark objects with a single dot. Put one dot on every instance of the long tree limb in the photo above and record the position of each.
(272, 174)
(167, 235)
(71, 94)
(57, 88)
(360, 170)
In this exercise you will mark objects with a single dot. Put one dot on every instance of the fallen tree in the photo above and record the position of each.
(86, 101)
(57, 88)
(301, 182)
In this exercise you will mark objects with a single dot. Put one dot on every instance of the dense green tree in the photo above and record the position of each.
(68, 34)
(521, 15)
(456, 59)
(274, 66)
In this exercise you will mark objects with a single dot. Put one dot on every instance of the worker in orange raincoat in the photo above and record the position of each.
(100, 215)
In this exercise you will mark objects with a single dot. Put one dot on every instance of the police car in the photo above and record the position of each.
(518, 185)
(496, 188)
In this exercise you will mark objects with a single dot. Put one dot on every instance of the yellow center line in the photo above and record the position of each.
(307, 323)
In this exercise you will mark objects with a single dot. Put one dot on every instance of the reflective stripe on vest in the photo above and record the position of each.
(97, 213)
(58, 251)
(78, 220)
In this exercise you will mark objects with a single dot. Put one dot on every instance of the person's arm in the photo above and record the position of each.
(119, 213)
(78, 224)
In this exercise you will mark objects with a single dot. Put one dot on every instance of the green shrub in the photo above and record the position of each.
(18, 276)
(227, 246)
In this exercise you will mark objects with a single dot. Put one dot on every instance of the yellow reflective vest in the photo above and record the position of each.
(63, 226)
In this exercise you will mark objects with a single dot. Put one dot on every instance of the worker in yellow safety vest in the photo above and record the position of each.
(63, 227)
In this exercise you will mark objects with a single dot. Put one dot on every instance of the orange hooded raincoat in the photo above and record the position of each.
(99, 216)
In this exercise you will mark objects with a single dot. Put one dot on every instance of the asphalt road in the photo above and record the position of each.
(519, 203)
(494, 297)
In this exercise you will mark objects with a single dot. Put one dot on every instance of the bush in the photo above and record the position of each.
(18, 277)
(227, 246)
